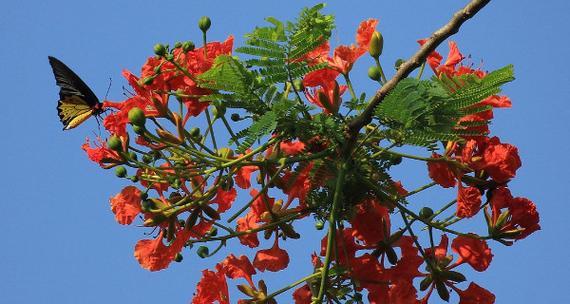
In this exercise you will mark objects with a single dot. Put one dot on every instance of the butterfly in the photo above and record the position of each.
(76, 100)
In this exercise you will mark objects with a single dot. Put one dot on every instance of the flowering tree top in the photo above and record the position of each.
(301, 144)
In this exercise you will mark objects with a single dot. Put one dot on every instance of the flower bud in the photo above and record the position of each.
(120, 171)
(319, 225)
(398, 63)
(376, 45)
(426, 213)
(194, 132)
(178, 258)
(138, 130)
(188, 46)
(147, 205)
(178, 45)
(213, 231)
(147, 159)
(204, 23)
(159, 49)
(114, 143)
(133, 156)
(374, 73)
(137, 117)
(203, 252)
(235, 117)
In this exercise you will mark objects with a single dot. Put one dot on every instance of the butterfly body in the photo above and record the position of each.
(77, 102)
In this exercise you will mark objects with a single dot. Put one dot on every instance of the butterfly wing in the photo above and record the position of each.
(76, 100)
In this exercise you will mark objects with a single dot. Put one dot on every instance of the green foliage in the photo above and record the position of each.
(423, 112)
(277, 50)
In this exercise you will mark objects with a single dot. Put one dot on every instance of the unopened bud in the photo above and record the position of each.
(204, 23)
(426, 213)
(235, 117)
(374, 73)
(159, 49)
(188, 46)
(114, 143)
(136, 116)
(120, 171)
(178, 258)
(203, 252)
(376, 44)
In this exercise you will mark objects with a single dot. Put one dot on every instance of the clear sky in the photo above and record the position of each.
(60, 243)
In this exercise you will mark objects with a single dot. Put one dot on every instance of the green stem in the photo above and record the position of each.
(382, 75)
(350, 87)
(210, 126)
(300, 281)
(331, 233)
(420, 73)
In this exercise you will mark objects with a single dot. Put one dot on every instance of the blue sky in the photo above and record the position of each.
(61, 243)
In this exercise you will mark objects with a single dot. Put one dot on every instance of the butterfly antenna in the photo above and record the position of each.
(108, 88)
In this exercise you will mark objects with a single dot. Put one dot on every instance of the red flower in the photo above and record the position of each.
(224, 199)
(371, 222)
(238, 268)
(522, 213)
(292, 147)
(245, 224)
(153, 255)
(327, 96)
(302, 295)
(243, 176)
(475, 294)
(468, 201)
(212, 287)
(101, 154)
(441, 173)
(273, 259)
(403, 292)
(501, 161)
(473, 251)
(126, 205)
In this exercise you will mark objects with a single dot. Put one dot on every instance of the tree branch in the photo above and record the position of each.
(415, 61)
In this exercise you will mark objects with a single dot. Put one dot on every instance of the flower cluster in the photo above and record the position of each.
(186, 185)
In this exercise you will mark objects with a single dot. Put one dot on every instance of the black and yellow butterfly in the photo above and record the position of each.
(76, 100)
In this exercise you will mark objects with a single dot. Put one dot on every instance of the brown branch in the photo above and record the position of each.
(415, 61)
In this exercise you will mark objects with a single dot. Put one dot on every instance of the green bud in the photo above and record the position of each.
(148, 80)
(144, 195)
(194, 132)
(120, 171)
(178, 258)
(134, 178)
(204, 23)
(203, 252)
(188, 46)
(398, 63)
(319, 225)
(426, 213)
(147, 205)
(114, 143)
(138, 130)
(213, 231)
(374, 73)
(133, 156)
(235, 117)
(169, 57)
(227, 184)
(147, 158)
(159, 49)
(178, 45)
(137, 117)
(376, 45)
